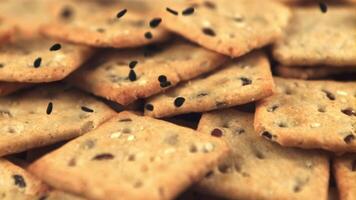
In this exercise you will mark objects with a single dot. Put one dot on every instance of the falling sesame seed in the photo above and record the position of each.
(37, 62)
(155, 22)
(208, 31)
(323, 7)
(162, 78)
(49, 108)
(86, 109)
(132, 64)
(171, 11)
(55, 47)
(188, 11)
(148, 35)
(149, 107)
(132, 75)
(121, 13)
(178, 102)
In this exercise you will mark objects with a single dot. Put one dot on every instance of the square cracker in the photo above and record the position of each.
(240, 81)
(108, 74)
(16, 183)
(31, 60)
(310, 114)
(229, 27)
(131, 157)
(309, 35)
(311, 72)
(74, 21)
(256, 168)
(345, 175)
(8, 87)
(26, 121)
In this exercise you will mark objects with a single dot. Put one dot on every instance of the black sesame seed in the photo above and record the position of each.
(2, 65)
(178, 102)
(100, 30)
(245, 81)
(349, 138)
(155, 22)
(149, 107)
(55, 47)
(132, 75)
(19, 180)
(208, 31)
(66, 12)
(209, 4)
(267, 135)
(132, 64)
(323, 7)
(49, 108)
(121, 13)
(37, 62)
(103, 156)
(202, 94)
(349, 112)
(162, 78)
(86, 109)
(165, 84)
(125, 120)
(330, 95)
(272, 108)
(188, 11)
(171, 11)
(43, 197)
(148, 35)
(216, 132)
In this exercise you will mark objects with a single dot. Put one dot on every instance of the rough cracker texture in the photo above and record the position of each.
(8, 87)
(311, 72)
(25, 124)
(310, 33)
(238, 27)
(310, 114)
(256, 169)
(26, 15)
(16, 182)
(241, 81)
(59, 195)
(107, 75)
(18, 57)
(131, 157)
(345, 175)
(101, 29)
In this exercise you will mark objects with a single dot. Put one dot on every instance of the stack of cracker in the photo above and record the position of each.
(177, 99)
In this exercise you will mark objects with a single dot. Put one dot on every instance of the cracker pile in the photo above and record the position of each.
(177, 99)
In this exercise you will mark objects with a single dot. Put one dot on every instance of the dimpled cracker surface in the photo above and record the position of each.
(229, 27)
(27, 120)
(310, 72)
(310, 114)
(345, 175)
(108, 75)
(32, 60)
(259, 169)
(131, 157)
(310, 33)
(16, 182)
(241, 81)
(7, 88)
(101, 24)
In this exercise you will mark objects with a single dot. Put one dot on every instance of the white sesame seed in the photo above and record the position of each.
(115, 135)
(340, 92)
(131, 138)
(169, 150)
(315, 125)
(208, 147)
